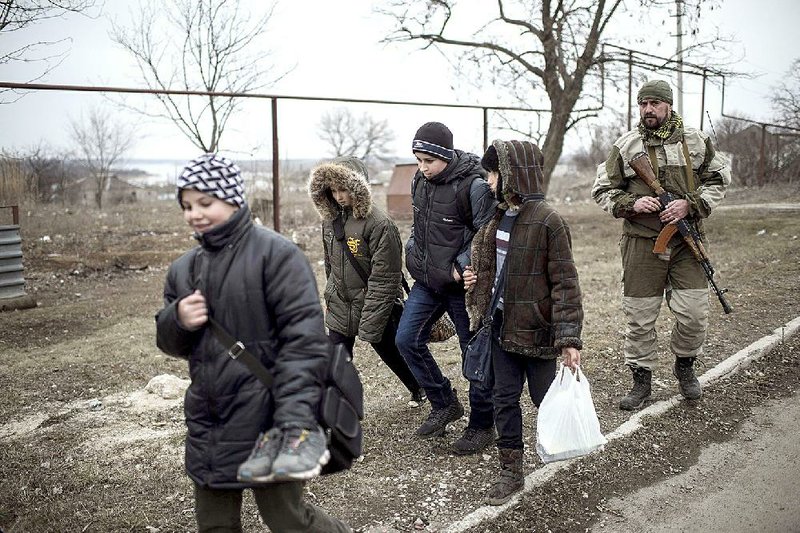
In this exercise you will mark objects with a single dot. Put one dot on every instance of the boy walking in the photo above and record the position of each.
(451, 199)
(260, 288)
(358, 237)
(539, 315)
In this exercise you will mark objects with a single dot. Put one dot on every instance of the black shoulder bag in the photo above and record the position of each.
(477, 362)
(341, 407)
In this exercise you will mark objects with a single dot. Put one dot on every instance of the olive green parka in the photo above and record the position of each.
(355, 308)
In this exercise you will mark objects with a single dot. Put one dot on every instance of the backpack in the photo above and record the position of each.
(463, 203)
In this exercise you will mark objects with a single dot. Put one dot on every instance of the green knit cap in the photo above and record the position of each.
(655, 89)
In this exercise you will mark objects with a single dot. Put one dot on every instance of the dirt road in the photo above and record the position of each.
(749, 483)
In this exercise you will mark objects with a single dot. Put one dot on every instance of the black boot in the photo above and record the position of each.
(640, 391)
(687, 382)
(510, 480)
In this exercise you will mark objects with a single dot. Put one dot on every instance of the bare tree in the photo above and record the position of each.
(102, 142)
(529, 50)
(199, 45)
(786, 97)
(364, 137)
(18, 15)
(51, 172)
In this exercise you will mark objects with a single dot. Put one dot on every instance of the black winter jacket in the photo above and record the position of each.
(440, 239)
(260, 287)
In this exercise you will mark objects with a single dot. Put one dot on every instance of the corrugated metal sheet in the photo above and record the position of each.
(12, 279)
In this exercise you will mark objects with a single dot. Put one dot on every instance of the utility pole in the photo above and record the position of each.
(679, 16)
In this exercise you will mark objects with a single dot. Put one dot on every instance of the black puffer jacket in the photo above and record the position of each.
(440, 239)
(260, 287)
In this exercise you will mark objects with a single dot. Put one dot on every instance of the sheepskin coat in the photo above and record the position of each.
(356, 308)
(542, 309)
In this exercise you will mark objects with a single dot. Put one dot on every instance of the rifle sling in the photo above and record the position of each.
(688, 170)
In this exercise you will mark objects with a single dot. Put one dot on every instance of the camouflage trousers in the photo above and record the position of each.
(646, 281)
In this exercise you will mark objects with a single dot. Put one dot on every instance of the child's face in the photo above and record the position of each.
(429, 166)
(492, 178)
(342, 196)
(203, 212)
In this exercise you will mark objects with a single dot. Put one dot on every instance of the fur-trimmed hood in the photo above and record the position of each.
(346, 173)
(520, 165)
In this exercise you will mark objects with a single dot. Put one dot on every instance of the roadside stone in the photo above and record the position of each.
(167, 386)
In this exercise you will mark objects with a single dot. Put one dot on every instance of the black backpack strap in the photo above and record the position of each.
(463, 202)
(338, 232)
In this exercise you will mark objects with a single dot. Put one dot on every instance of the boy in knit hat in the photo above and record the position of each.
(451, 199)
(261, 289)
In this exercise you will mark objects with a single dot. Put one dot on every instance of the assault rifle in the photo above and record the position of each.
(641, 165)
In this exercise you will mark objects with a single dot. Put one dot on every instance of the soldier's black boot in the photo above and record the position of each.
(640, 391)
(687, 382)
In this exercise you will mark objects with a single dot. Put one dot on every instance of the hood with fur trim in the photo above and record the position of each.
(344, 172)
(520, 165)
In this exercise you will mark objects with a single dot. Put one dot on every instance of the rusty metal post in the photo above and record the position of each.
(703, 101)
(630, 86)
(485, 129)
(762, 178)
(276, 164)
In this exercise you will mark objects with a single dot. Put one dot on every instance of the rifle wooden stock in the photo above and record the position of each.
(640, 164)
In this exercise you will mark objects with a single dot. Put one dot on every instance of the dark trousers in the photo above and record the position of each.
(281, 506)
(423, 308)
(510, 372)
(387, 351)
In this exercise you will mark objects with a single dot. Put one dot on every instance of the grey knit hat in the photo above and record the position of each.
(214, 175)
(656, 89)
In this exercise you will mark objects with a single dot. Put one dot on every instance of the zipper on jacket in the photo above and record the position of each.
(428, 212)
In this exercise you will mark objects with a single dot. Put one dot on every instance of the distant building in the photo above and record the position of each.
(82, 192)
(398, 196)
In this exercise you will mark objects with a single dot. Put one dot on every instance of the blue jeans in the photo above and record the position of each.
(422, 309)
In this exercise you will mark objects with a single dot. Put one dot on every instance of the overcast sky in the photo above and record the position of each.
(335, 46)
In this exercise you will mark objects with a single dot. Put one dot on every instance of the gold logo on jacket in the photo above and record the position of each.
(353, 244)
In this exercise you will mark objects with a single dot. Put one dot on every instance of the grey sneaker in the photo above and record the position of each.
(438, 419)
(303, 454)
(258, 467)
(473, 440)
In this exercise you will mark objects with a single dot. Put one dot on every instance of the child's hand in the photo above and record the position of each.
(456, 275)
(193, 311)
(470, 278)
(572, 357)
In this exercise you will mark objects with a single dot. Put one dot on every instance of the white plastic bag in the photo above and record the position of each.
(567, 424)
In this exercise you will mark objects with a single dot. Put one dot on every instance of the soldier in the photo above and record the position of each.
(688, 166)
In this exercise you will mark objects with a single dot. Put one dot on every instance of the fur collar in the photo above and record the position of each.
(346, 173)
